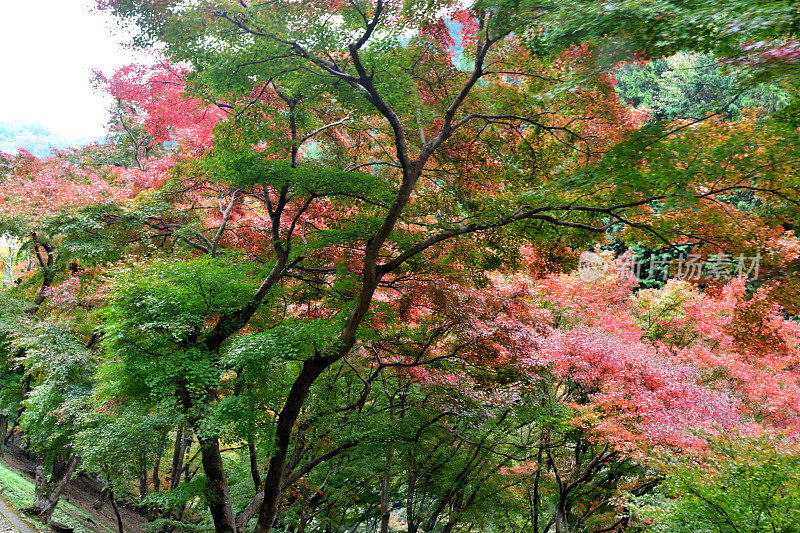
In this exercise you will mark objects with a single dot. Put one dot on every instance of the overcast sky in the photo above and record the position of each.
(48, 49)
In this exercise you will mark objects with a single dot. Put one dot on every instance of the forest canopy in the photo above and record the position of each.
(419, 266)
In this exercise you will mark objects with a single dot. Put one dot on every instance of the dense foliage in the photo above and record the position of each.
(323, 273)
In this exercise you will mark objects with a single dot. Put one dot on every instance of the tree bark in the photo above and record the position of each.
(49, 488)
(157, 465)
(143, 481)
(116, 511)
(187, 475)
(217, 495)
(254, 473)
(3, 433)
(385, 482)
(48, 271)
(536, 497)
(561, 519)
(301, 525)
(179, 452)
(273, 484)
(245, 515)
(412, 487)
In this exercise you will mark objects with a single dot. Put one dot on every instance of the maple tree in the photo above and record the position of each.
(337, 240)
(745, 482)
(693, 85)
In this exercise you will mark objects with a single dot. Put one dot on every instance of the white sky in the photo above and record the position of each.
(48, 49)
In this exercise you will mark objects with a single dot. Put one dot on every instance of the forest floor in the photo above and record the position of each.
(76, 508)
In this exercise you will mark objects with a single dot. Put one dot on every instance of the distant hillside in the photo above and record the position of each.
(35, 138)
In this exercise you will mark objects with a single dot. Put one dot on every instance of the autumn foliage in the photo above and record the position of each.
(323, 273)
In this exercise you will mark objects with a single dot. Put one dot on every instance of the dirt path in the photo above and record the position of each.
(10, 522)
(6, 527)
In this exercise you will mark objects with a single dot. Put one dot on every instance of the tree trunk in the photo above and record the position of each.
(3, 433)
(561, 519)
(217, 495)
(48, 271)
(301, 525)
(116, 511)
(143, 481)
(536, 497)
(254, 473)
(187, 476)
(315, 366)
(49, 487)
(179, 451)
(385, 482)
(102, 499)
(157, 465)
(303, 521)
(25, 391)
(412, 486)
(245, 515)
(291, 409)
(448, 528)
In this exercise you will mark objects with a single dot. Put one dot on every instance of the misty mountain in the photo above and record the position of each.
(36, 138)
